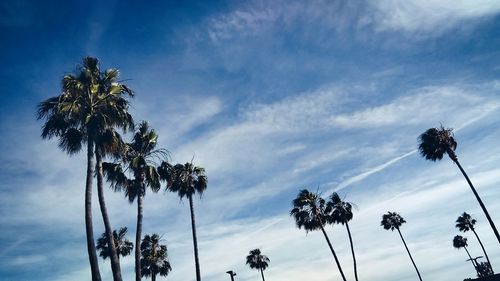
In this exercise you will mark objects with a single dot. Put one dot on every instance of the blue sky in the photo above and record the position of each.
(271, 97)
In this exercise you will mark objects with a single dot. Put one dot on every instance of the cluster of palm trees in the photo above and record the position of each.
(92, 107)
(312, 212)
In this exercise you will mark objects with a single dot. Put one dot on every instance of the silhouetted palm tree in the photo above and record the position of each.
(122, 244)
(393, 220)
(339, 211)
(309, 213)
(139, 159)
(461, 242)
(186, 180)
(434, 143)
(154, 259)
(91, 103)
(258, 261)
(465, 223)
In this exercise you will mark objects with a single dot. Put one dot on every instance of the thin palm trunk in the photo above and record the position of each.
(482, 247)
(262, 274)
(115, 262)
(94, 265)
(195, 241)
(455, 160)
(138, 234)
(153, 277)
(352, 250)
(411, 258)
(470, 257)
(333, 251)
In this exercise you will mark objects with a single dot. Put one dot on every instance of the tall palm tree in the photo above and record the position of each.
(91, 103)
(465, 223)
(434, 143)
(461, 242)
(309, 212)
(339, 211)
(393, 220)
(123, 245)
(256, 260)
(140, 161)
(154, 259)
(186, 180)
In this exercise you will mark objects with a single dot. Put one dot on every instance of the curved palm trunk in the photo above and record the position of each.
(482, 247)
(138, 234)
(115, 262)
(195, 241)
(411, 258)
(333, 253)
(352, 250)
(471, 260)
(262, 274)
(94, 265)
(455, 160)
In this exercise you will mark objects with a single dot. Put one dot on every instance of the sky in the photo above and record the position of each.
(271, 97)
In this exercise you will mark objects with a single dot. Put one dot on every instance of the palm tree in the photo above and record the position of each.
(91, 103)
(309, 213)
(258, 261)
(122, 244)
(465, 223)
(461, 242)
(434, 143)
(340, 211)
(393, 220)
(154, 257)
(186, 180)
(140, 160)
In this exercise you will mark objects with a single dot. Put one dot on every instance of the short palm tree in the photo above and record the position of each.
(434, 143)
(91, 103)
(461, 242)
(139, 160)
(154, 259)
(256, 260)
(186, 180)
(122, 244)
(393, 220)
(465, 223)
(340, 211)
(309, 212)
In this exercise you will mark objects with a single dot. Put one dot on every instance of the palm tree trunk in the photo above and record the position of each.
(418, 273)
(471, 260)
(352, 250)
(115, 262)
(333, 253)
(94, 264)
(262, 274)
(153, 277)
(455, 159)
(482, 247)
(195, 241)
(138, 234)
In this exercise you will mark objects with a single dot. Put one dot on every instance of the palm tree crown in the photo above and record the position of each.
(123, 245)
(154, 258)
(185, 180)
(459, 242)
(465, 222)
(435, 142)
(256, 260)
(392, 220)
(309, 210)
(338, 211)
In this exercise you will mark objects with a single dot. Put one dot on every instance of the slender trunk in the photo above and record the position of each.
(412, 261)
(115, 262)
(195, 241)
(153, 277)
(262, 274)
(352, 251)
(471, 260)
(455, 159)
(94, 264)
(333, 253)
(138, 234)
(482, 247)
